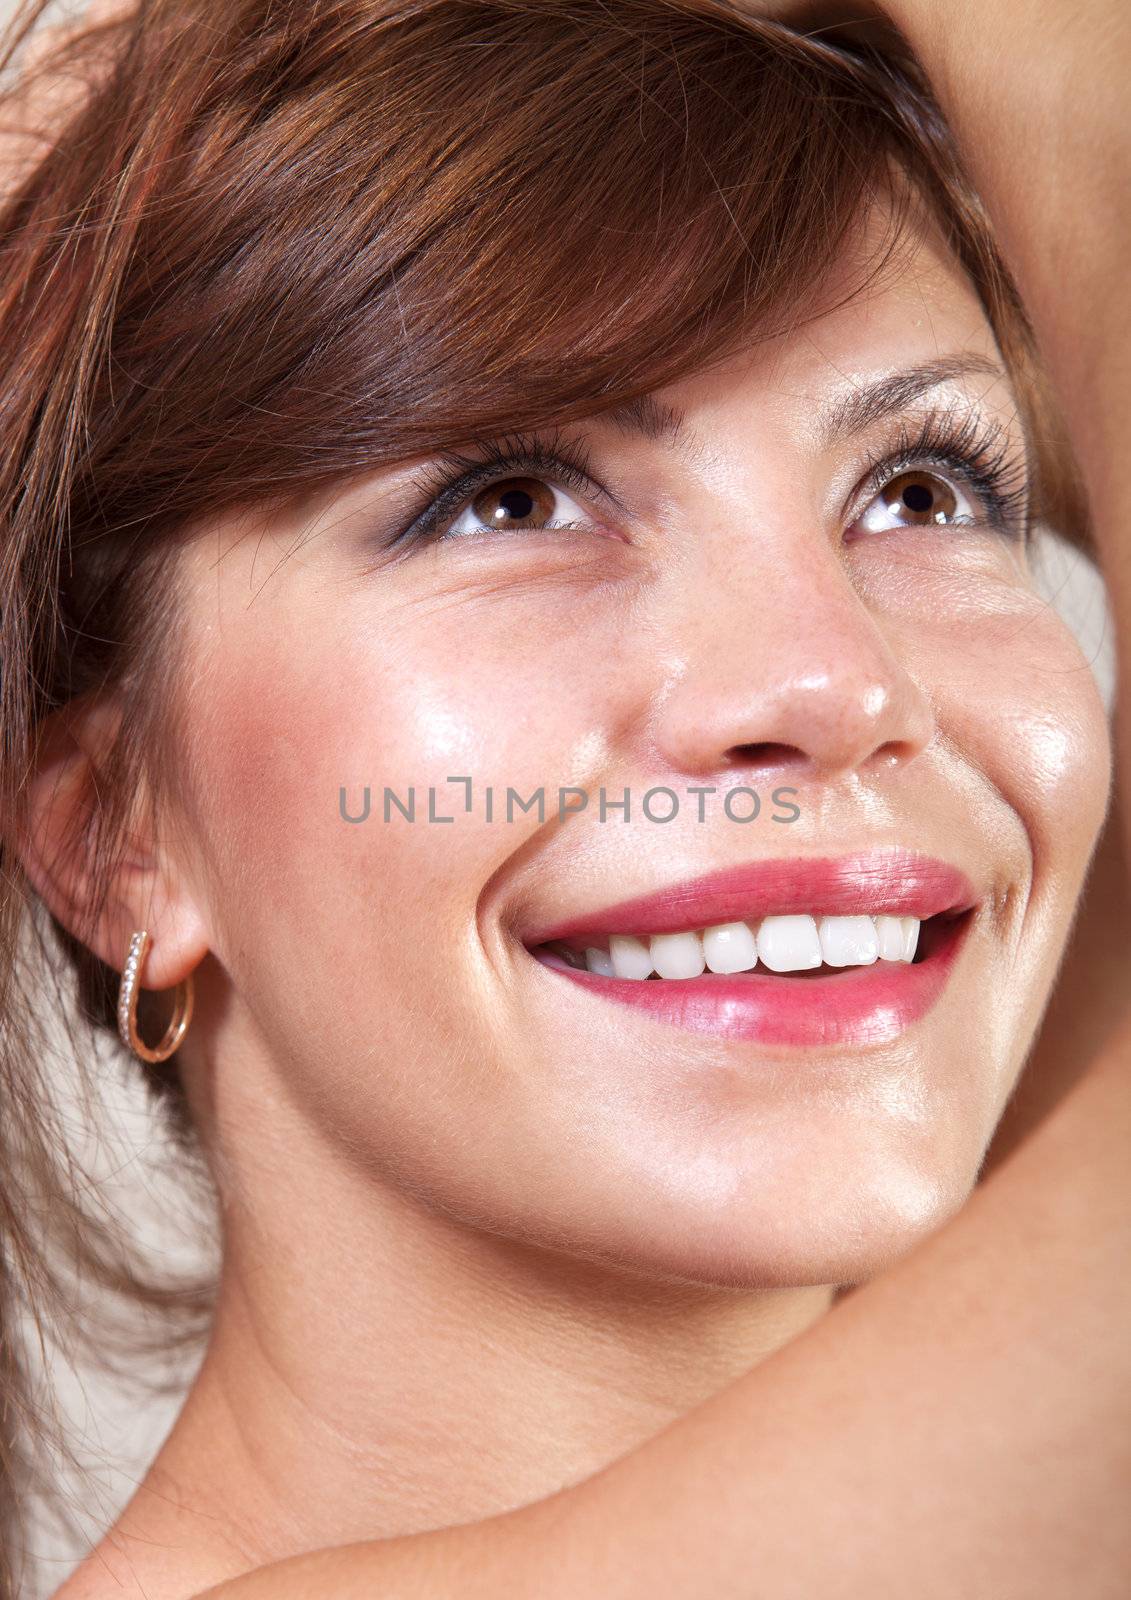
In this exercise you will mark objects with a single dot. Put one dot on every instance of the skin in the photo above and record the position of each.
(991, 1364)
(1088, 1002)
(444, 1220)
(979, 1387)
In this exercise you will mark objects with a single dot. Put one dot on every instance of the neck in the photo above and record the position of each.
(378, 1368)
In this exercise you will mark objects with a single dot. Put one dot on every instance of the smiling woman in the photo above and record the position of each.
(526, 397)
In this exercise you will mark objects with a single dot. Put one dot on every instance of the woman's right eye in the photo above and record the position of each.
(516, 505)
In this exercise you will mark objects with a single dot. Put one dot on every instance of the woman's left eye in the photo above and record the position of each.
(917, 498)
(514, 504)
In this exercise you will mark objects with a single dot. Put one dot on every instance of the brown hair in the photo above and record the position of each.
(273, 245)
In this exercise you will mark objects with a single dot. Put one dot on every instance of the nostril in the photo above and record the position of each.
(765, 755)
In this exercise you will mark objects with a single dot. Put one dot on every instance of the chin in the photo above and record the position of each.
(840, 1231)
(832, 1199)
(844, 1251)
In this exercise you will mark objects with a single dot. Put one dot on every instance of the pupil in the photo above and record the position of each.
(517, 503)
(917, 497)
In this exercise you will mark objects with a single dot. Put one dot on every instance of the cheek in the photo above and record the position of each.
(1015, 699)
(1020, 709)
(354, 945)
(301, 737)
(1023, 706)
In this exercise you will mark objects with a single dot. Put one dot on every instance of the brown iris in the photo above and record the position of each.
(514, 503)
(920, 497)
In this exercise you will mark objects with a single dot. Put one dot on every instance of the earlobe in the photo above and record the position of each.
(53, 839)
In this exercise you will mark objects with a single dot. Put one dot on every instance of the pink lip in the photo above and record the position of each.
(858, 1005)
(900, 881)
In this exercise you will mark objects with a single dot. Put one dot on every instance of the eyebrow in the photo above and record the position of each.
(653, 420)
(862, 407)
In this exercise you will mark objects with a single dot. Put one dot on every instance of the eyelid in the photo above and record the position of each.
(966, 443)
(446, 484)
(954, 439)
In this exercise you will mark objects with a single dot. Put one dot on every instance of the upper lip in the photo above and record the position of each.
(902, 882)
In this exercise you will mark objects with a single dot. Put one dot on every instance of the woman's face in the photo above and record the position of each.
(743, 607)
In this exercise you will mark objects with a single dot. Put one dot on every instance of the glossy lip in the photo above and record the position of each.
(902, 882)
(855, 1006)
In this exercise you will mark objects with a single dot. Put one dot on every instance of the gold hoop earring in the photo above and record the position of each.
(127, 1006)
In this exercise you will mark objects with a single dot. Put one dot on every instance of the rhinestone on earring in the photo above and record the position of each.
(127, 1006)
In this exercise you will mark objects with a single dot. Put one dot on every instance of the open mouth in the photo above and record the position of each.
(869, 954)
(793, 946)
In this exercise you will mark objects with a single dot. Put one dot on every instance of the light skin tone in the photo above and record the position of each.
(480, 1248)
(978, 1388)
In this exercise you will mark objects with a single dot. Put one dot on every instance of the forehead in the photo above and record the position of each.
(896, 299)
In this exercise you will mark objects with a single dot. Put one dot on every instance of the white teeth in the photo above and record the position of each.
(629, 957)
(848, 941)
(781, 944)
(730, 947)
(890, 934)
(789, 944)
(677, 955)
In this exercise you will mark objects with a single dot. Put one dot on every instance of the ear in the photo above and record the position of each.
(53, 839)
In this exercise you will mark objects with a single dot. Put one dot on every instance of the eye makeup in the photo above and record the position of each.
(975, 451)
(445, 485)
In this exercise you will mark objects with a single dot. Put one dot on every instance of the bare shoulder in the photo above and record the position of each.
(127, 1568)
(100, 1576)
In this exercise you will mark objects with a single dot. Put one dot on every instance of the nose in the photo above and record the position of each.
(783, 665)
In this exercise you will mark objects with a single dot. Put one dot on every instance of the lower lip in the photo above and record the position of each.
(857, 1005)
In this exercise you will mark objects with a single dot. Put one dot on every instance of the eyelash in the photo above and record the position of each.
(446, 485)
(953, 440)
(974, 449)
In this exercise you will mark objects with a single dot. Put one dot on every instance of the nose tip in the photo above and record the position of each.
(836, 729)
(819, 700)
